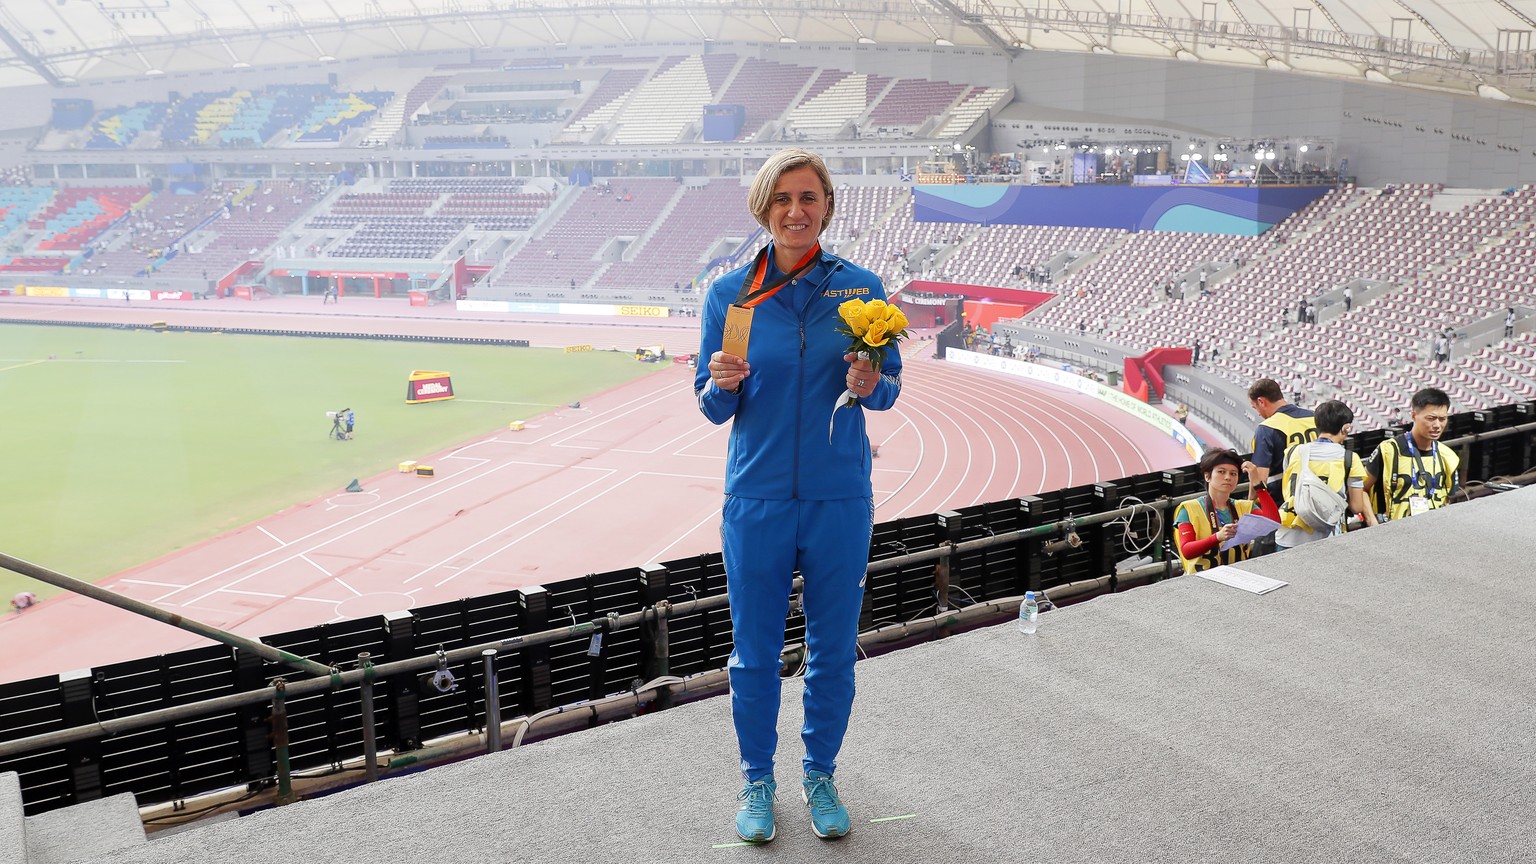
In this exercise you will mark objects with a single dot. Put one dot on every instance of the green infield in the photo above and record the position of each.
(120, 446)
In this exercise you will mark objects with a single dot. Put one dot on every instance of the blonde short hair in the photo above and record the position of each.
(760, 196)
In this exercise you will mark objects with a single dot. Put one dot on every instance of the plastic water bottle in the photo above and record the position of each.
(1029, 613)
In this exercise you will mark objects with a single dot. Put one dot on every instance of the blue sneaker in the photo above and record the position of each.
(829, 818)
(754, 818)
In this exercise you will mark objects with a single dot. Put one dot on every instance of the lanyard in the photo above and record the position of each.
(753, 291)
(1210, 513)
(1431, 476)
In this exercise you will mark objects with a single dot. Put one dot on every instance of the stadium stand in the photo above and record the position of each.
(665, 105)
(766, 89)
(677, 245)
(566, 251)
(78, 214)
(255, 218)
(604, 102)
(910, 102)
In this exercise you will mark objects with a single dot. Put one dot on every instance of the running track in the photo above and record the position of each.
(634, 476)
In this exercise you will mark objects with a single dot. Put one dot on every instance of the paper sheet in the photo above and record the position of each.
(1251, 527)
(1253, 583)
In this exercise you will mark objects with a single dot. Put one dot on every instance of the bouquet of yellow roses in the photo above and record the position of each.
(874, 328)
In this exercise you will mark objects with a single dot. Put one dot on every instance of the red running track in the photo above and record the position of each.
(633, 476)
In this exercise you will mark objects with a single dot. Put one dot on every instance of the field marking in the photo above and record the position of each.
(304, 556)
(406, 502)
(28, 361)
(256, 594)
(606, 474)
(262, 529)
(147, 582)
(22, 365)
(343, 583)
(713, 515)
(499, 402)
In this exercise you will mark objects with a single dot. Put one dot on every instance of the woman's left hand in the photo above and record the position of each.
(862, 378)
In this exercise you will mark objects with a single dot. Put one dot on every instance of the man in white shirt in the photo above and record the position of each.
(1333, 464)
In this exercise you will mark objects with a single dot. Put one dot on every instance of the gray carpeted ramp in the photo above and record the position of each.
(1377, 709)
(13, 826)
(89, 831)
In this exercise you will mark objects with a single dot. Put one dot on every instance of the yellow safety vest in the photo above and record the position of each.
(1404, 476)
(1297, 430)
(1325, 472)
(1199, 517)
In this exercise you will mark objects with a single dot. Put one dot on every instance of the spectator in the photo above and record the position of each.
(1509, 323)
(1296, 386)
(1194, 359)
(1311, 313)
(1411, 473)
(1442, 349)
(1301, 311)
(1341, 469)
(1349, 298)
(1182, 413)
(1203, 524)
(1204, 292)
(1284, 426)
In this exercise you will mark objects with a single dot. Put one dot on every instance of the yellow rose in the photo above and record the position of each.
(876, 336)
(875, 310)
(895, 318)
(854, 315)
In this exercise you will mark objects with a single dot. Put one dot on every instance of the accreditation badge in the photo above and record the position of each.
(738, 330)
(1418, 504)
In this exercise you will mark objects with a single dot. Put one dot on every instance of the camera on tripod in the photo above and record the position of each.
(341, 424)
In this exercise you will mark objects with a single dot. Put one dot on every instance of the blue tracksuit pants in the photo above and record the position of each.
(764, 542)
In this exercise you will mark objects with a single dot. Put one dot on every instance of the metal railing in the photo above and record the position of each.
(1051, 550)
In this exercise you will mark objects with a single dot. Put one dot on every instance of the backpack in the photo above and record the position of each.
(1318, 505)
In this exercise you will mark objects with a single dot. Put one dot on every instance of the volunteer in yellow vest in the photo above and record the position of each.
(1285, 425)
(1203, 524)
(1328, 459)
(1413, 473)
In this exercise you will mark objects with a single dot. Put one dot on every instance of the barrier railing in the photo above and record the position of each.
(184, 725)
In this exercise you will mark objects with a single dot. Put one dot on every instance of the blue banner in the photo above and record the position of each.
(1238, 210)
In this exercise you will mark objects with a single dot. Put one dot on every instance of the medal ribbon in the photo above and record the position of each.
(753, 291)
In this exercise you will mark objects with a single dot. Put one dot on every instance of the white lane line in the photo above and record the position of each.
(147, 582)
(30, 360)
(713, 516)
(275, 539)
(254, 594)
(343, 583)
(366, 518)
(508, 545)
(304, 556)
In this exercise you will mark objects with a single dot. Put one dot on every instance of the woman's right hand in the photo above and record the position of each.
(727, 370)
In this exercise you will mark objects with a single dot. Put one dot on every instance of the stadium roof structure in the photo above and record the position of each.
(1482, 46)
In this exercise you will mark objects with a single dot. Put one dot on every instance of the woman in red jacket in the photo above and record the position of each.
(1204, 523)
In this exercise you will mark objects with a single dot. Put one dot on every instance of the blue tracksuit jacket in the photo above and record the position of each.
(779, 448)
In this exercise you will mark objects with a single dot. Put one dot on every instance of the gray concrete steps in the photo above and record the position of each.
(13, 830)
(84, 832)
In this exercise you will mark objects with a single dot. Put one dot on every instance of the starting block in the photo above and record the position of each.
(423, 470)
(408, 466)
(515, 425)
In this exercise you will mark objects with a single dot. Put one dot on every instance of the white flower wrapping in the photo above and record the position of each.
(847, 399)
